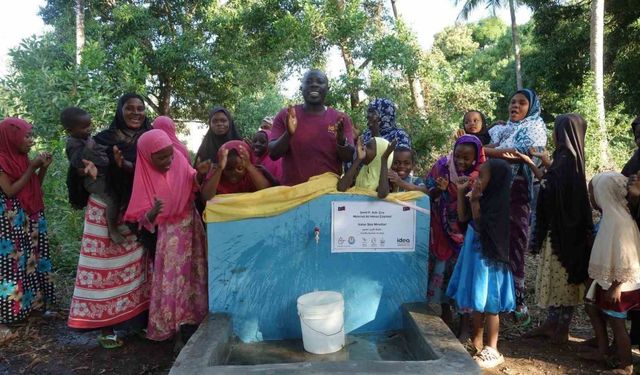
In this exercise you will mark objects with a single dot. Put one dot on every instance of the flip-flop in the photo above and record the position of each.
(110, 341)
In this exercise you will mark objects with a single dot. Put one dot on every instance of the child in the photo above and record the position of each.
(81, 148)
(475, 123)
(234, 173)
(564, 213)
(371, 166)
(614, 266)
(260, 147)
(163, 199)
(482, 281)
(400, 176)
(446, 233)
(167, 125)
(25, 265)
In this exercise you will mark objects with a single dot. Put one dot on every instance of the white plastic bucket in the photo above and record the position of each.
(322, 321)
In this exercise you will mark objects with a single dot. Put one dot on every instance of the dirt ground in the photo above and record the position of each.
(48, 347)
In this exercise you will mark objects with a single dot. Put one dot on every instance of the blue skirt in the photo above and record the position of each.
(479, 284)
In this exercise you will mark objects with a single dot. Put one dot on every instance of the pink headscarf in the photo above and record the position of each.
(175, 187)
(167, 125)
(237, 145)
(14, 163)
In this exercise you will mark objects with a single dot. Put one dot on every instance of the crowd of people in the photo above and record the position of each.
(495, 196)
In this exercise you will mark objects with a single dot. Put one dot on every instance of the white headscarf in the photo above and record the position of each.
(616, 249)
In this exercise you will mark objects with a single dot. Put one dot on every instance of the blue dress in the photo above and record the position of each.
(479, 284)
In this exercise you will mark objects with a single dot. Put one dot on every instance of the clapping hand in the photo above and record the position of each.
(361, 150)
(462, 183)
(245, 159)
(117, 156)
(46, 159)
(340, 131)
(394, 177)
(442, 184)
(90, 169)
(476, 191)
(203, 167)
(390, 148)
(292, 121)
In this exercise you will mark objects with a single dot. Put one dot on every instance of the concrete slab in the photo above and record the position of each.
(432, 343)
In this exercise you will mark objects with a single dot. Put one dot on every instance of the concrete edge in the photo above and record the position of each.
(432, 336)
(201, 351)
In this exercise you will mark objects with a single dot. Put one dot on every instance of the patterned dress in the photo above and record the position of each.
(112, 281)
(25, 266)
(179, 289)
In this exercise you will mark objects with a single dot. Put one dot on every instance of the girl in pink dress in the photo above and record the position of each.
(163, 200)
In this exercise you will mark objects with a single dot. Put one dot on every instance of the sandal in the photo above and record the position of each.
(489, 358)
(110, 341)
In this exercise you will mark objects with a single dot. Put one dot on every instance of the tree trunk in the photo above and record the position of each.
(79, 30)
(164, 99)
(516, 44)
(597, 66)
(349, 64)
(352, 73)
(395, 10)
(415, 86)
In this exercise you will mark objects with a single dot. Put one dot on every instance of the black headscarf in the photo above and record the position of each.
(118, 134)
(211, 142)
(633, 165)
(563, 204)
(483, 134)
(494, 211)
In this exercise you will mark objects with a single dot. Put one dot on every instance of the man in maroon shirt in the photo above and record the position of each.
(311, 138)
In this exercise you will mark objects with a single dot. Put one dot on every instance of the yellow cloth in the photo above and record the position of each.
(279, 199)
(369, 175)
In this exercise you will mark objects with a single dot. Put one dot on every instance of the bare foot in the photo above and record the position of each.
(627, 370)
(116, 237)
(546, 330)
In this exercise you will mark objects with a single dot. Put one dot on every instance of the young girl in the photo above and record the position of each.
(163, 200)
(167, 125)
(25, 266)
(404, 160)
(235, 173)
(482, 281)
(475, 123)
(371, 167)
(565, 214)
(260, 147)
(614, 267)
(446, 233)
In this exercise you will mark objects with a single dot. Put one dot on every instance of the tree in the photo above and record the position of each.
(597, 66)
(470, 5)
(79, 30)
(414, 81)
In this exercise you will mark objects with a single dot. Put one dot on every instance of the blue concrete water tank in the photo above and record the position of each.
(259, 267)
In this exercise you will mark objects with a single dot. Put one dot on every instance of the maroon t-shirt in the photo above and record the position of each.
(312, 149)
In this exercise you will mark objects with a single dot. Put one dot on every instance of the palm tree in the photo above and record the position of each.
(470, 5)
(79, 30)
(597, 66)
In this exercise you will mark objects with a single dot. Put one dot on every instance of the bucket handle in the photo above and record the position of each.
(322, 333)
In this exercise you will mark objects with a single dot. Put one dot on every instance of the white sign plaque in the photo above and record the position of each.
(372, 227)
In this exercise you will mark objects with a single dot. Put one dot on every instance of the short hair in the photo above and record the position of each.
(70, 114)
(409, 150)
